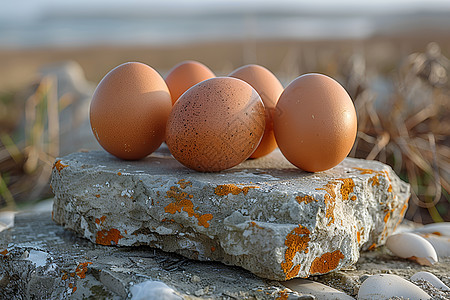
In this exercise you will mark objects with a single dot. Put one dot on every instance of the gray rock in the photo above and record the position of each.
(264, 215)
(75, 268)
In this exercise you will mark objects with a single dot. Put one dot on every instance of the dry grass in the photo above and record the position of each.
(26, 162)
(405, 124)
(412, 131)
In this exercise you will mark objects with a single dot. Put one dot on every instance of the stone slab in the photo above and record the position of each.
(264, 215)
(41, 260)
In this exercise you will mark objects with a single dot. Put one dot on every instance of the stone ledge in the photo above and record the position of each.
(41, 260)
(264, 215)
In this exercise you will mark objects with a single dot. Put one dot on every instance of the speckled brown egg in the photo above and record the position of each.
(315, 122)
(216, 124)
(184, 75)
(129, 111)
(269, 89)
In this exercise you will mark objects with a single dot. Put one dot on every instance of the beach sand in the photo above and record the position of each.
(286, 58)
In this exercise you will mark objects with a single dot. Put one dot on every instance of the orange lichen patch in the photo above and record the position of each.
(434, 232)
(65, 276)
(203, 219)
(387, 175)
(373, 246)
(168, 220)
(72, 274)
(4, 252)
(58, 165)
(374, 180)
(253, 224)
(386, 217)
(402, 214)
(82, 269)
(365, 171)
(283, 295)
(329, 188)
(98, 196)
(347, 187)
(296, 241)
(225, 189)
(183, 183)
(326, 263)
(306, 199)
(358, 236)
(329, 198)
(183, 204)
(100, 221)
(213, 248)
(108, 237)
(74, 288)
(119, 173)
(176, 193)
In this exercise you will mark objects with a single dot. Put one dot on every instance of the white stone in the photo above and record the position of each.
(317, 289)
(264, 215)
(6, 220)
(432, 279)
(387, 286)
(153, 290)
(38, 258)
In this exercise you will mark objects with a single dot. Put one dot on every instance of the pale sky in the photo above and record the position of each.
(30, 7)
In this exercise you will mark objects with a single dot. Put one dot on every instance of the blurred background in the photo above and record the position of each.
(390, 55)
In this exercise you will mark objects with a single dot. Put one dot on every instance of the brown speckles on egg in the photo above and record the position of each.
(216, 124)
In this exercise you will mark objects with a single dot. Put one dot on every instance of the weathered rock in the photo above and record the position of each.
(41, 260)
(264, 215)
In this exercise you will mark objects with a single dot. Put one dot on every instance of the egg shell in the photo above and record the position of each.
(184, 75)
(216, 124)
(315, 122)
(269, 89)
(129, 111)
(412, 246)
(387, 286)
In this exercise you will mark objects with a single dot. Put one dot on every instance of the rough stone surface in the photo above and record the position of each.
(41, 260)
(264, 215)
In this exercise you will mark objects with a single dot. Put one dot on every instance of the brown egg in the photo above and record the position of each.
(216, 124)
(269, 89)
(315, 122)
(184, 75)
(129, 111)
